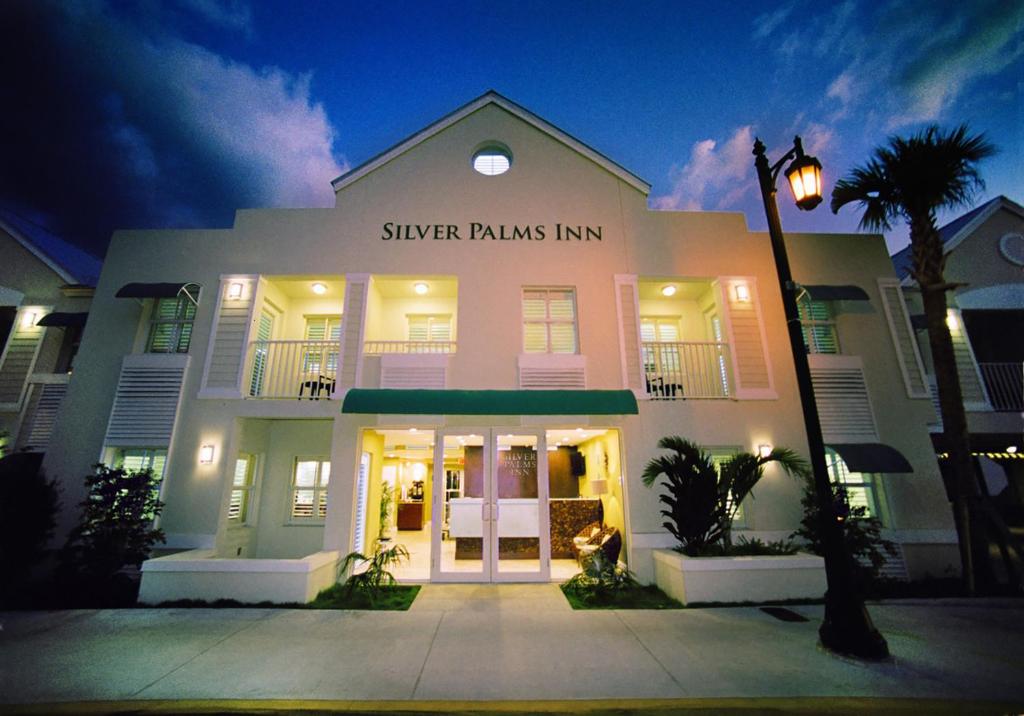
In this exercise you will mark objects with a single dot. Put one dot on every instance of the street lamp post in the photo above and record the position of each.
(847, 627)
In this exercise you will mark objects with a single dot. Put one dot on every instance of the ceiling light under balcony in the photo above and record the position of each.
(668, 291)
(319, 288)
(420, 288)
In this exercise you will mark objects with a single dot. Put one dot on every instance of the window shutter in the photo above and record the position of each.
(316, 329)
(748, 341)
(441, 329)
(231, 333)
(668, 331)
(648, 330)
(907, 354)
(418, 328)
(535, 338)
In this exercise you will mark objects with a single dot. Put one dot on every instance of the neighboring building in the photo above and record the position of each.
(492, 318)
(46, 286)
(984, 251)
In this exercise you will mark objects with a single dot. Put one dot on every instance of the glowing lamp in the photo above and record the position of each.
(742, 293)
(319, 288)
(764, 451)
(235, 290)
(804, 176)
(951, 321)
(1011, 449)
(206, 455)
(420, 288)
(668, 291)
(28, 319)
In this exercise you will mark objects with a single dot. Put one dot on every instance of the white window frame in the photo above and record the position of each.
(149, 455)
(326, 361)
(548, 321)
(178, 323)
(432, 319)
(865, 482)
(246, 491)
(319, 489)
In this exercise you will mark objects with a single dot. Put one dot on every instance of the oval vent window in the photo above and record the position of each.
(492, 160)
(1011, 246)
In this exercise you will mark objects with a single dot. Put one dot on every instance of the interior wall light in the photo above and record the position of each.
(668, 291)
(420, 288)
(319, 288)
(235, 290)
(742, 293)
(764, 451)
(206, 455)
(28, 319)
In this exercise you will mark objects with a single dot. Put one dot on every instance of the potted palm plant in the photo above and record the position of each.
(701, 500)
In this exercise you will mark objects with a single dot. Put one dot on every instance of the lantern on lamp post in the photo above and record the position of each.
(847, 627)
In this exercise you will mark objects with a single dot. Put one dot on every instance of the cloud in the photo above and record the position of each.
(711, 169)
(230, 14)
(121, 125)
(766, 23)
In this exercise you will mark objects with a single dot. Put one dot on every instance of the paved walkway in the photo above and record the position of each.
(509, 642)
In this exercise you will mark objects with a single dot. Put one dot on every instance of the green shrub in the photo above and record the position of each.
(377, 576)
(116, 531)
(862, 534)
(702, 500)
(749, 548)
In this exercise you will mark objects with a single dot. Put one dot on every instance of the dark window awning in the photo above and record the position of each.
(158, 290)
(837, 293)
(490, 402)
(919, 321)
(62, 320)
(871, 457)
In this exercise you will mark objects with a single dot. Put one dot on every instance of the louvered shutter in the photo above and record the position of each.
(19, 361)
(841, 394)
(146, 401)
(356, 287)
(419, 329)
(907, 354)
(626, 303)
(749, 353)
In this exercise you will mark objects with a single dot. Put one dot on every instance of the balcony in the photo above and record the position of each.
(1004, 383)
(377, 348)
(293, 369)
(678, 371)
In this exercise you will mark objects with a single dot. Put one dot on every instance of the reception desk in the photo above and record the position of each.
(516, 517)
(410, 515)
(519, 525)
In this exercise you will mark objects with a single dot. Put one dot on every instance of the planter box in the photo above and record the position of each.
(739, 579)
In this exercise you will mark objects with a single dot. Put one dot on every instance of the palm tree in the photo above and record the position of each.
(911, 179)
(702, 500)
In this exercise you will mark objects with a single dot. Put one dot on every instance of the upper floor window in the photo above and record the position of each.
(549, 320)
(430, 328)
(860, 487)
(659, 329)
(319, 359)
(170, 329)
(818, 324)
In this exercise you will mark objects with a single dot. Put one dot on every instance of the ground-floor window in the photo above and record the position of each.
(719, 456)
(136, 459)
(309, 489)
(241, 489)
(861, 487)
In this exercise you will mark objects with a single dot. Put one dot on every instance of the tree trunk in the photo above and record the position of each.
(927, 251)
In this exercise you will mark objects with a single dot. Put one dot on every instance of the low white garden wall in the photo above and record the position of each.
(739, 579)
(199, 574)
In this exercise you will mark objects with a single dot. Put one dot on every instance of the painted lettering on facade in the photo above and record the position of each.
(479, 231)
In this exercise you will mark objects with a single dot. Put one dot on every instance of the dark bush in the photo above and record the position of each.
(28, 509)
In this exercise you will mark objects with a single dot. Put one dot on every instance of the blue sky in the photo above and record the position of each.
(156, 113)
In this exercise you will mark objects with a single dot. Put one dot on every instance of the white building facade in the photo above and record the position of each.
(491, 329)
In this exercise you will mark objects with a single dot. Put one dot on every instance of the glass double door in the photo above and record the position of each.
(491, 521)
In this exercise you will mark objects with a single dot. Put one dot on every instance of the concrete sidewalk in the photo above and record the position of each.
(509, 642)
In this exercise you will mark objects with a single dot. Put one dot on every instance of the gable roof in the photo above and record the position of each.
(953, 233)
(488, 98)
(73, 265)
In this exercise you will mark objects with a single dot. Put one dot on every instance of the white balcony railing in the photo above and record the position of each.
(374, 348)
(292, 369)
(1005, 385)
(676, 371)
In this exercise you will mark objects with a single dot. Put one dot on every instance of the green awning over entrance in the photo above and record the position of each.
(490, 402)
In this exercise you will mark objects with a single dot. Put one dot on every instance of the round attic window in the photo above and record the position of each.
(492, 159)
(1011, 246)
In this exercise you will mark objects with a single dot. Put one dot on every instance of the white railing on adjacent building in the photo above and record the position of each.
(677, 371)
(1005, 385)
(292, 369)
(384, 347)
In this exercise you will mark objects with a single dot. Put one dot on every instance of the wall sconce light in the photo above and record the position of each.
(951, 321)
(764, 451)
(319, 288)
(235, 290)
(206, 455)
(742, 293)
(28, 319)
(668, 291)
(420, 288)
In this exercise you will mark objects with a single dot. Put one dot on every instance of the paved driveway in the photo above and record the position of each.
(508, 642)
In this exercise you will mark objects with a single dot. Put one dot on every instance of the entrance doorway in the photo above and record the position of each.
(490, 523)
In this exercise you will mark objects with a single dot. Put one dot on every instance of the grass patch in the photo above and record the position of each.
(397, 598)
(639, 597)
